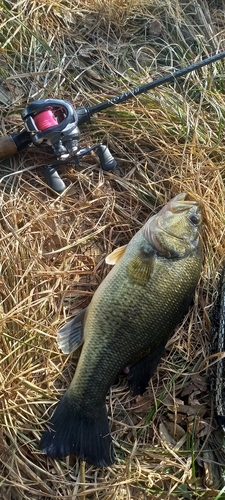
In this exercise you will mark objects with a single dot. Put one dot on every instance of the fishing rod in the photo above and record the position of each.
(55, 123)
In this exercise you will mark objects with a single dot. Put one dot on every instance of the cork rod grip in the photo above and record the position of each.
(7, 147)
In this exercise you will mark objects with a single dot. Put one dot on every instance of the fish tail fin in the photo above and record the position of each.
(72, 432)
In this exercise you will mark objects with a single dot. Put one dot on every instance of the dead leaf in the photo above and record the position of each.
(202, 428)
(165, 435)
(142, 403)
(93, 75)
(197, 410)
(170, 401)
(175, 430)
(6, 96)
(197, 384)
(155, 28)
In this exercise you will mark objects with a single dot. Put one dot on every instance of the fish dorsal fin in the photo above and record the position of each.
(70, 336)
(116, 255)
(141, 266)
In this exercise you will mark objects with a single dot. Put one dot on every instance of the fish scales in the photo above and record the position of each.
(131, 339)
(127, 324)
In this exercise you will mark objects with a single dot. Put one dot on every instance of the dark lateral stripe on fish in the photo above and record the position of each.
(72, 433)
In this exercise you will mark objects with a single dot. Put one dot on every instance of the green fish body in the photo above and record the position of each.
(126, 327)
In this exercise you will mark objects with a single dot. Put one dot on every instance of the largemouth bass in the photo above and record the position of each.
(126, 327)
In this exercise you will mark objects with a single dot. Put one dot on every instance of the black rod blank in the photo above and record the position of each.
(155, 83)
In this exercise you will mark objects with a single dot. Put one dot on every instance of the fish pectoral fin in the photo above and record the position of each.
(141, 266)
(116, 255)
(70, 336)
(142, 372)
(73, 432)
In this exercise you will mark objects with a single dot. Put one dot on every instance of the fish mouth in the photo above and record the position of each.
(152, 236)
(175, 247)
(170, 234)
(178, 204)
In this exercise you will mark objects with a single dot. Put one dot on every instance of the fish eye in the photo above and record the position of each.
(194, 219)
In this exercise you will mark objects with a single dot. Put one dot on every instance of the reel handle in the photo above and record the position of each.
(107, 161)
(53, 179)
(8, 148)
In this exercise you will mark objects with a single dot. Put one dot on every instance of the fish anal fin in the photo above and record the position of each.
(70, 336)
(116, 255)
(71, 432)
(142, 372)
(141, 266)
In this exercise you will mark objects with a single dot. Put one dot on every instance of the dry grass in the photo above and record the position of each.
(53, 247)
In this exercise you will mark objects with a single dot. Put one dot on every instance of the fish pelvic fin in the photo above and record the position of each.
(71, 432)
(142, 372)
(70, 336)
(116, 255)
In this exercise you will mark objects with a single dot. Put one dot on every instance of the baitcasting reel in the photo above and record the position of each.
(55, 124)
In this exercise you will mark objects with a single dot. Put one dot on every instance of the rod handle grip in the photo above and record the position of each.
(7, 147)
